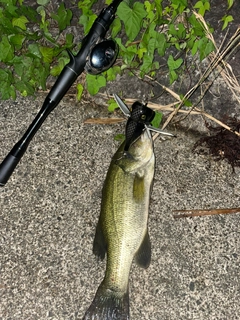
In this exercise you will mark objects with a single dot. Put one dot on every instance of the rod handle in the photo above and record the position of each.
(7, 167)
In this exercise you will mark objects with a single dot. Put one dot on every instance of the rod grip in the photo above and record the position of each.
(7, 167)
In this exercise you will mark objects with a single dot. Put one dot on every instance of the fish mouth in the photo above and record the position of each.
(140, 154)
(143, 142)
(145, 137)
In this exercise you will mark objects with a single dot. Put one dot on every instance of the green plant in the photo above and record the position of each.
(154, 31)
(26, 53)
(30, 52)
(162, 28)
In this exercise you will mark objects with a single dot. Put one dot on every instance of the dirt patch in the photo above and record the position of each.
(223, 144)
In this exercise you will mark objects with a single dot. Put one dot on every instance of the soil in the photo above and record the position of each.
(222, 143)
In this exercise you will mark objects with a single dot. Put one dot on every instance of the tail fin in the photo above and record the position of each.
(108, 305)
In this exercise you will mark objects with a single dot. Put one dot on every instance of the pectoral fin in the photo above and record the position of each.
(99, 244)
(138, 188)
(143, 255)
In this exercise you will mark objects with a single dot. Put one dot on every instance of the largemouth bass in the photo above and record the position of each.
(122, 230)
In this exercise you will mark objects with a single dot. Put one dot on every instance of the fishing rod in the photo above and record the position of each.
(96, 55)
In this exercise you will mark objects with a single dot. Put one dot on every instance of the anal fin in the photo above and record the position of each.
(143, 255)
(99, 243)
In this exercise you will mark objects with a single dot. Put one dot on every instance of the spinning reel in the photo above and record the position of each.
(102, 56)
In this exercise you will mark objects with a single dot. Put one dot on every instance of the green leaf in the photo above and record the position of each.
(63, 17)
(7, 1)
(39, 74)
(191, 41)
(79, 91)
(205, 46)
(197, 28)
(7, 92)
(172, 29)
(33, 49)
(17, 40)
(56, 70)
(209, 48)
(6, 50)
(24, 86)
(159, 7)
(116, 27)
(202, 6)
(132, 18)
(94, 83)
(174, 64)
(4, 74)
(151, 46)
(230, 3)
(86, 4)
(112, 73)
(226, 19)
(179, 6)
(147, 64)
(12, 92)
(43, 2)
(186, 102)
(69, 40)
(157, 119)
(195, 47)
(20, 22)
(150, 8)
(21, 65)
(112, 105)
(87, 22)
(181, 31)
(29, 13)
(27, 64)
(32, 73)
(173, 76)
(6, 89)
(141, 52)
(47, 54)
(180, 2)
(119, 137)
(162, 44)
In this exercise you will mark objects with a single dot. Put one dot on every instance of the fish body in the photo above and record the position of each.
(122, 230)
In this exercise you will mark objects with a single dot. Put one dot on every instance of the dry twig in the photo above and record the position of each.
(209, 212)
(218, 59)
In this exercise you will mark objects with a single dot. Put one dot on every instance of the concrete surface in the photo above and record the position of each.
(50, 206)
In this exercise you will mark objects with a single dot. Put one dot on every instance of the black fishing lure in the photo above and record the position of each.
(139, 118)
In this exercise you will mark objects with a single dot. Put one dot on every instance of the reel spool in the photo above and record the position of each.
(102, 56)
